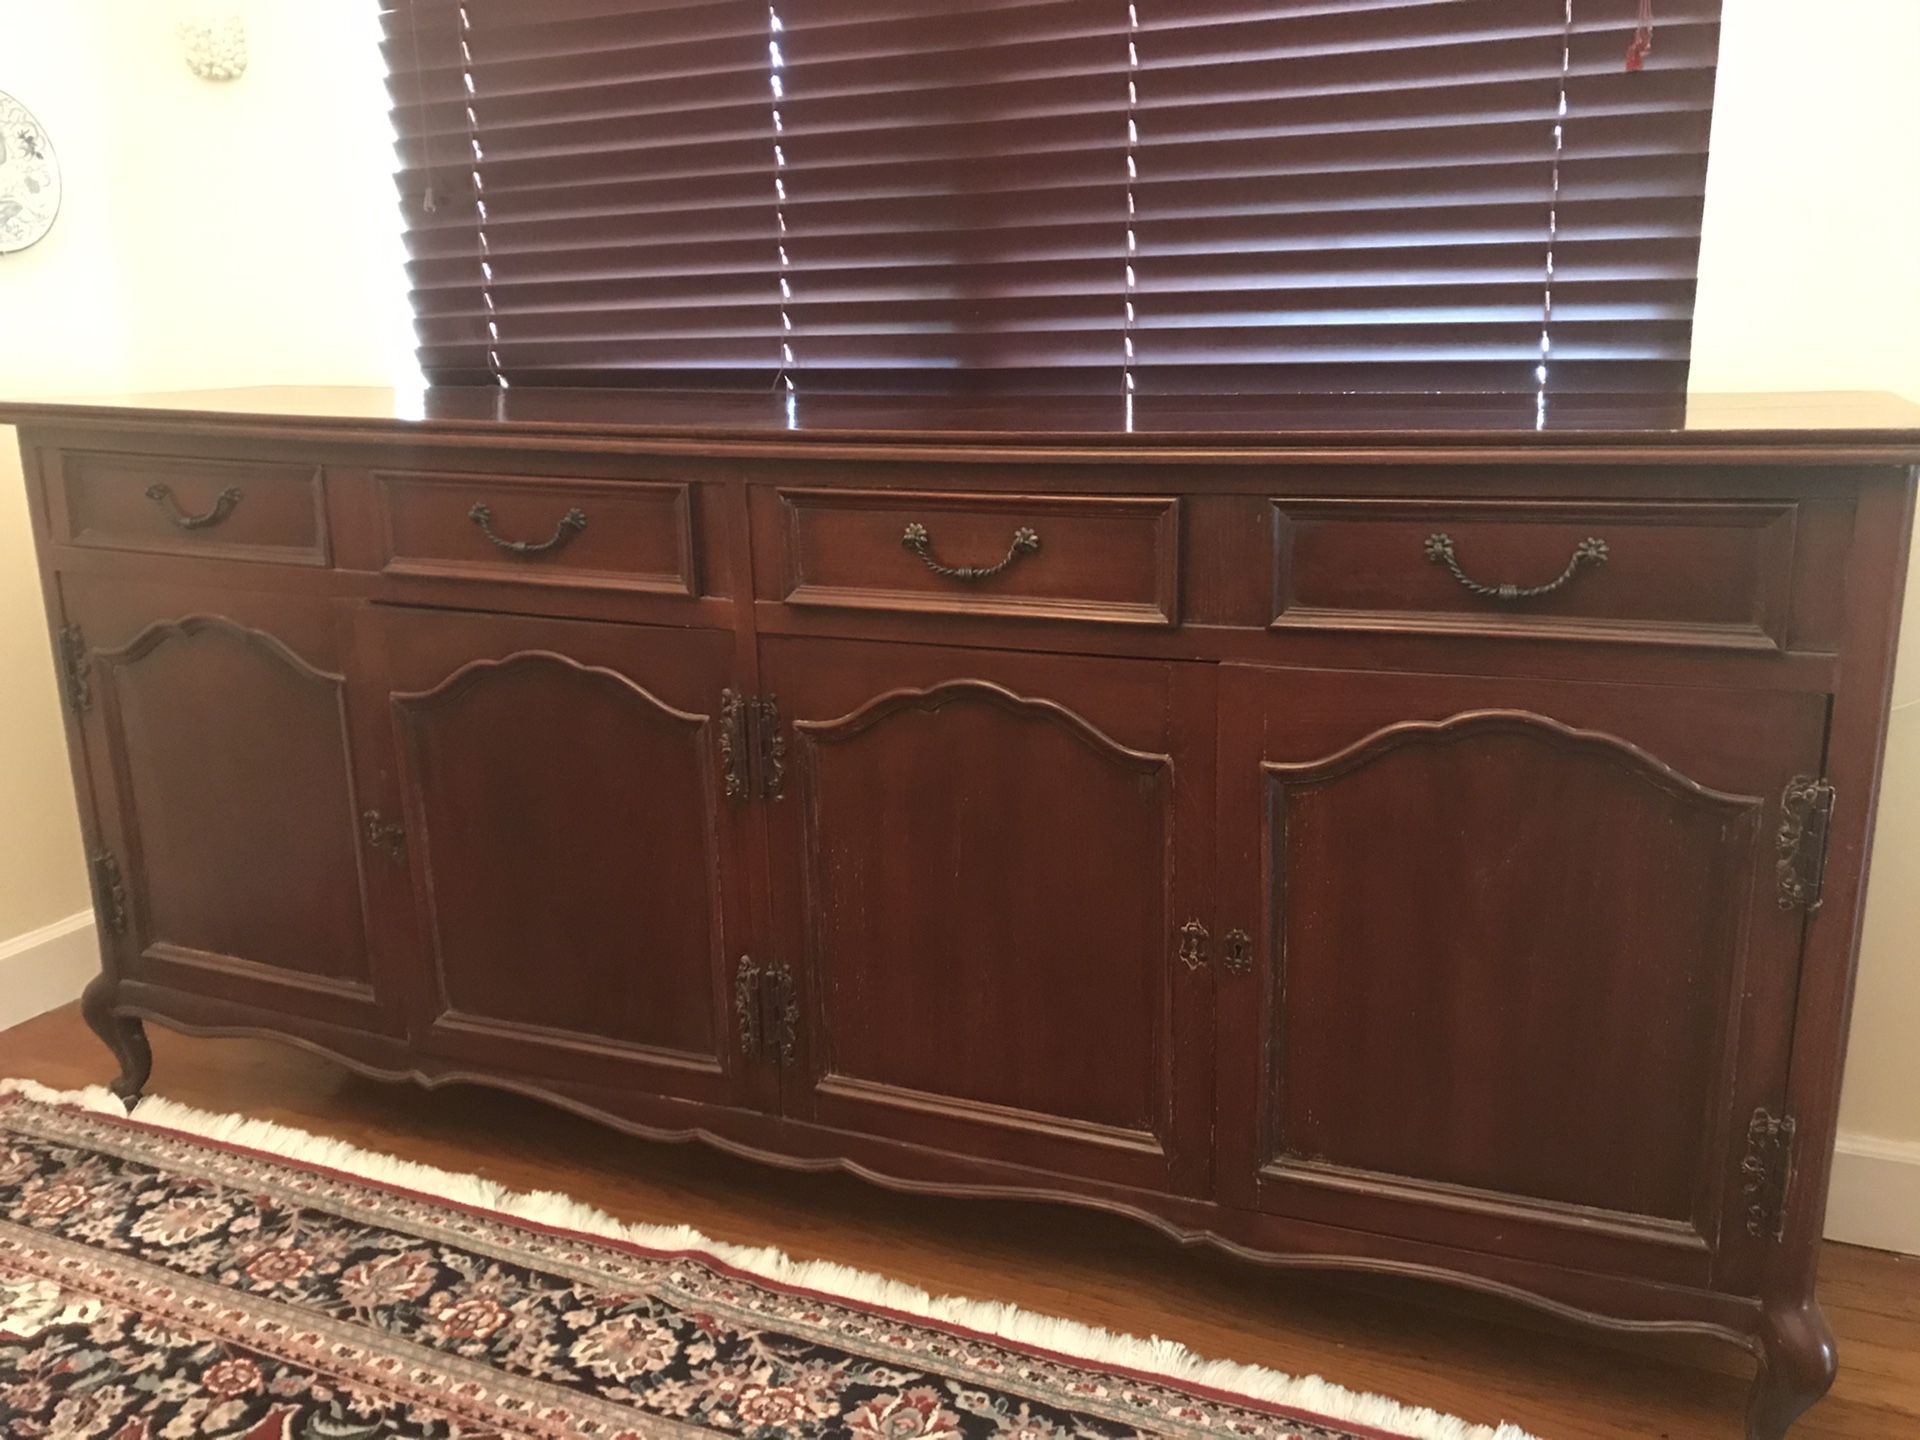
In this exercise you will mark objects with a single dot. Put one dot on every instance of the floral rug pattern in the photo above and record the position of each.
(158, 1287)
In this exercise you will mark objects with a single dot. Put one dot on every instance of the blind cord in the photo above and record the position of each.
(1641, 45)
(429, 202)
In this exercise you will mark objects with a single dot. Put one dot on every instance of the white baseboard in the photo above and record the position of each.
(45, 968)
(1875, 1199)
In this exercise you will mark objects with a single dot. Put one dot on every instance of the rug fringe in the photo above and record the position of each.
(1008, 1322)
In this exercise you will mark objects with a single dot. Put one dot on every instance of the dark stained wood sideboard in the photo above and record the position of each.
(1417, 841)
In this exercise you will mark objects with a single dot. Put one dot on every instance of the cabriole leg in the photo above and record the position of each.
(1797, 1365)
(124, 1036)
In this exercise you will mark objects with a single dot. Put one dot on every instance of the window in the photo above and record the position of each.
(1154, 197)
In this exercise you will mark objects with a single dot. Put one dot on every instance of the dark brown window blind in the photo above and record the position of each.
(1064, 195)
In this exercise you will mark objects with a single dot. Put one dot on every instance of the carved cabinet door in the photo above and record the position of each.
(982, 864)
(1493, 931)
(560, 801)
(228, 756)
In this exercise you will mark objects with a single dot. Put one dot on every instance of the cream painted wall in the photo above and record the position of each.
(41, 875)
(1810, 279)
(188, 205)
(49, 296)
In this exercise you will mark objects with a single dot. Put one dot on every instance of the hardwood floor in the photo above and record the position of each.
(1475, 1358)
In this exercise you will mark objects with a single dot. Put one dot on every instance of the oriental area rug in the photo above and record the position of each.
(180, 1274)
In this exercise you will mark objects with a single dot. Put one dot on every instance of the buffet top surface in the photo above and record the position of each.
(1864, 426)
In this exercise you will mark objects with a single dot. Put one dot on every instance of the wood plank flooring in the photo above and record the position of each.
(1475, 1358)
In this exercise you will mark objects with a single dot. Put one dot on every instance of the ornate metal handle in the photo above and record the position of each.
(916, 539)
(1590, 551)
(571, 524)
(162, 495)
(733, 743)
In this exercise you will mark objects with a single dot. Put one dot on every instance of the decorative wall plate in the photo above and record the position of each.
(29, 177)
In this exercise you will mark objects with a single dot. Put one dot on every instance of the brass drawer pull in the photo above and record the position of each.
(571, 524)
(916, 539)
(162, 495)
(1590, 551)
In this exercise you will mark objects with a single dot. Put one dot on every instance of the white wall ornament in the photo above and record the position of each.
(29, 177)
(215, 44)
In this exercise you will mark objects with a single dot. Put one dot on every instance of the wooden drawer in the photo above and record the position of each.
(597, 534)
(1681, 573)
(1104, 558)
(236, 509)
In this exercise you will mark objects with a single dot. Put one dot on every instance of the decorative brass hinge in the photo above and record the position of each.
(746, 1005)
(733, 744)
(1765, 1172)
(767, 1010)
(771, 745)
(76, 668)
(109, 893)
(1806, 819)
(753, 752)
(783, 1013)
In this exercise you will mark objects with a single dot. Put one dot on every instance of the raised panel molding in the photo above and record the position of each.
(935, 698)
(422, 539)
(413, 710)
(214, 965)
(1083, 1132)
(456, 686)
(1096, 559)
(189, 627)
(1493, 1205)
(109, 666)
(485, 1026)
(278, 513)
(1470, 723)
(1156, 772)
(1737, 594)
(1289, 780)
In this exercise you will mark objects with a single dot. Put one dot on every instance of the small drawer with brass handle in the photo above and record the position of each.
(1106, 558)
(1669, 572)
(596, 534)
(232, 509)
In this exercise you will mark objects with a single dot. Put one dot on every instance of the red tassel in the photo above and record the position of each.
(1641, 45)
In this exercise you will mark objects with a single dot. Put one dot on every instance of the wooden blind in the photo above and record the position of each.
(1163, 196)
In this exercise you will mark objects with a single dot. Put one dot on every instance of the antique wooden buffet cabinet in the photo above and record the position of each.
(1421, 843)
